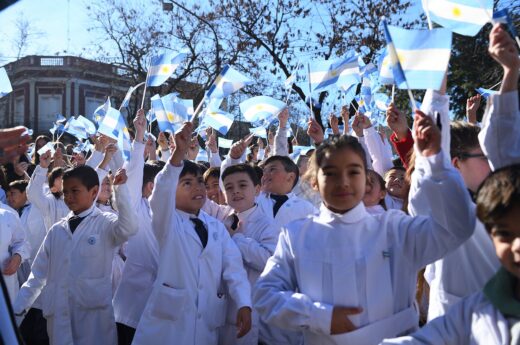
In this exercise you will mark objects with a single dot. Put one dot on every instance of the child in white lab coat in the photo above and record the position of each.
(74, 263)
(198, 261)
(347, 277)
(253, 232)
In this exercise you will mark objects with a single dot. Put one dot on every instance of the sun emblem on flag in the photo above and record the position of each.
(259, 107)
(456, 12)
(165, 69)
(170, 116)
(334, 73)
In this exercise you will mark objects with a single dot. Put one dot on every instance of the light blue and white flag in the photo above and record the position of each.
(124, 142)
(348, 94)
(60, 119)
(162, 67)
(57, 129)
(101, 111)
(420, 57)
(465, 17)
(90, 128)
(292, 78)
(502, 16)
(126, 100)
(227, 82)
(165, 120)
(381, 101)
(259, 132)
(47, 147)
(5, 84)
(76, 128)
(213, 104)
(202, 156)
(225, 143)
(150, 116)
(261, 109)
(111, 124)
(486, 92)
(366, 90)
(327, 73)
(218, 120)
(177, 109)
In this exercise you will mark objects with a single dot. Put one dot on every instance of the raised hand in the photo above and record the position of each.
(314, 131)
(21, 168)
(396, 121)
(193, 149)
(110, 150)
(503, 49)
(427, 135)
(13, 142)
(360, 123)
(162, 141)
(238, 148)
(283, 116)
(340, 322)
(345, 115)
(243, 321)
(140, 125)
(472, 105)
(120, 177)
(334, 124)
(45, 160)
(183, 141)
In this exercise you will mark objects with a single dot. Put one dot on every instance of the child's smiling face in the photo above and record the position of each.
(341, 180)
(506, 239)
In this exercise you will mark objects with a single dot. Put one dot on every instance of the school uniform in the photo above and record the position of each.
(187, 304)
(142, 250)
(256, 238)
(358, 260)
(74, 263)
(52, 209)
(12, 241)
(488, 317)
(304, 190)
(499, 137)
(292, 209)
(34, 226)
(378, 151)
(434, 103)
(375, 210)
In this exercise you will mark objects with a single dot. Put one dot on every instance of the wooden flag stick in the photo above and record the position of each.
(310, 90)
(199, 107)
(145, 84)
(393, 92)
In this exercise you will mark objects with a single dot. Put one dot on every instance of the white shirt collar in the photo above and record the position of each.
(242, 216)
(86, 212)
(352, 216)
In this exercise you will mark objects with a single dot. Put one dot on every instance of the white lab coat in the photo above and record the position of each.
(76, 270)
(142, 250)
(12, 241)
(472, 321)
(51, 208)
(256, 239)
(359, 260)
(435, 102)
(381, 157)
(34, 225)
(499, 137)
(186, 305)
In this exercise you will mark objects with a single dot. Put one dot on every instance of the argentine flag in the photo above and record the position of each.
(502, 16)
(292, 78)
(225, 143)
(177, 109)
(111, 124)
(126, 100)
(326, 73)
(124, 142)
(420, 57)
(227, 82)
(76, 128)
(486, 92)
(162, 67)
(165, 120)
(5, 84)
(218, 120)
(465, 17)
(261, 109)
(101, 111)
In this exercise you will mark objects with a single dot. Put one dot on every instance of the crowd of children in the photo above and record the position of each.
(340, 245)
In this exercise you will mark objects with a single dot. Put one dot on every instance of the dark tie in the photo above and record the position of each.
(74, 221)
(20, 210)
(279, 200)
(234, 221)
(201, 231)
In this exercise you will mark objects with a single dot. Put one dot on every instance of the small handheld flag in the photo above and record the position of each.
(465, 17)
(162, 67)
(227, 82)
(261, 109)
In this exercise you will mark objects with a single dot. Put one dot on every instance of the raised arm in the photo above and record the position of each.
(280, 139)
(126, 224)
(135, 166)
(401, 136)
(381, 160)
(35, 192)
(162, 201)
(499, 137)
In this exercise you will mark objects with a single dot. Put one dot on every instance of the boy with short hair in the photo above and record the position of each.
(75, 263)
(490, 316)
(254, 234)
(197, 257)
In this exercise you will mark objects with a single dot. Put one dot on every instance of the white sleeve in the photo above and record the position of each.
(277, 302)
(439, 195)
(19, 244)
(165, 155)
(117, 161)
(214, 159)
(280, 143)
(434, 101)
(233, 272)
(162, 201)
(381, 161)
(499, 137)
(255, 253)
(95, 159)
(134, 171)
(35, 193)
(261, 154)
(364, 145)
(102, 173)
(126, 224)
(37, 280)
(220, 212)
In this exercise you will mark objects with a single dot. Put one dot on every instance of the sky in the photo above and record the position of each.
(51, 18)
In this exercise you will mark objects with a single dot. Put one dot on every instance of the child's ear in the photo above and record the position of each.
(455, 162)
(314, 184)
(382, 194)
(94, 192)
(257, 189)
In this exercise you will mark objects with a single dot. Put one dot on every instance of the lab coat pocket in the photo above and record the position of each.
(93, 293)
(168, 303)
(216, 315)
(47, 299)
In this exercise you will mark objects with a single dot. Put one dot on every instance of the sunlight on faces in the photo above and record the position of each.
(474, 170)
(191, 193)
(374, 192)
(15, 198)
(341, 180)
(506, 239)
(395, 183)
(76, 195)
(240, 191)
(276, 180)
(213, 189)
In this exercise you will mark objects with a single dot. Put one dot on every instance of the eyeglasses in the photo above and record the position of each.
(472, 155)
